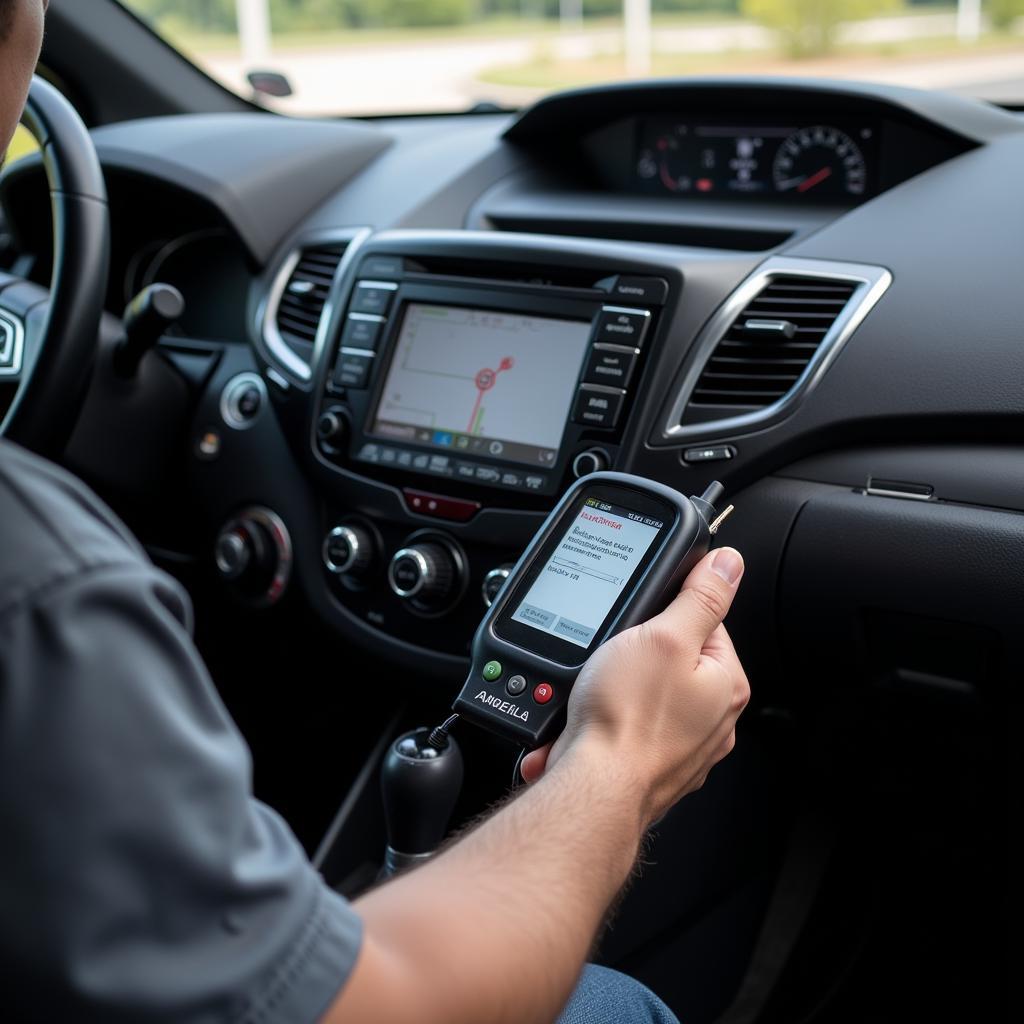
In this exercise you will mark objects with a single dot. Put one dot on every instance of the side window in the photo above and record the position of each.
(21, 145)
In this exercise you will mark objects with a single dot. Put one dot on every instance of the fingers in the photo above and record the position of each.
(532, 766)
(706, 597)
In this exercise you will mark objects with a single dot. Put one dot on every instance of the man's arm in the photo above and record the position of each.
(497, 928)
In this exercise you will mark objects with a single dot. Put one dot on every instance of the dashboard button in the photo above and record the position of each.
(715, 453)
(455, 510)
(652, 290)
(352, 370)
(511, 480)
(593, 460)
(466, 470)
(493, 582)
(381, 266)
(373, 297)
(536, 482)
(610, 365)
(360, 333)
(622, 326)
(598, 407)
(487, 475)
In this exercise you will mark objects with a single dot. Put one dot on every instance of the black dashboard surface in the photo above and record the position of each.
(930, 238)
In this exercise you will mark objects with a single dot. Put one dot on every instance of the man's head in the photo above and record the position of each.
(21, 36)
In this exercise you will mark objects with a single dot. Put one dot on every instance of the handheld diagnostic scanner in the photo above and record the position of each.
(612, 554)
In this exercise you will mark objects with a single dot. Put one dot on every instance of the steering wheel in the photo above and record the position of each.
(48, 341)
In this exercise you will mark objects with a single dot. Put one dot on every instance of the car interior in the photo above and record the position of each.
(236, 325)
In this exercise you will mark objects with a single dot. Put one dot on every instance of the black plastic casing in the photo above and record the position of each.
(683, 542)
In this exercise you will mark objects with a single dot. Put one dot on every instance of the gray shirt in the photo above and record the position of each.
(139, 879)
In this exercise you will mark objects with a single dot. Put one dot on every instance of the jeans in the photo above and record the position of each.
(607, 997)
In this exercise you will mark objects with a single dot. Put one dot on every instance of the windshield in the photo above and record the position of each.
(418, 56)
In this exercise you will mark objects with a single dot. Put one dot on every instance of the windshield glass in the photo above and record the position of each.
(416, 56)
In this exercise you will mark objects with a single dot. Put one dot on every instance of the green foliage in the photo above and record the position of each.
(1003, 13)
(807, 28)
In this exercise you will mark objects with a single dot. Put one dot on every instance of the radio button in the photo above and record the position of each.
(598, 407)
(652, 290)
(352, 370)
(611, 366)
(622, 326)
(361, 333)
(373, 297)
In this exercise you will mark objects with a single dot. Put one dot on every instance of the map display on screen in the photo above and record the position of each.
(483, 382)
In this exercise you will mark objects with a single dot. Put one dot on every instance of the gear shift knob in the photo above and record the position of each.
(421, 779)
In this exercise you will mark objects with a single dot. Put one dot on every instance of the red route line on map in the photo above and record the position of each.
(485, 380)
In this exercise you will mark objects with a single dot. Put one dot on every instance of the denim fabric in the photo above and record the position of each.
(607, 997)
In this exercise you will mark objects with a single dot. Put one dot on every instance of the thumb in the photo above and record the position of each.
(532, 766)
(706, 596)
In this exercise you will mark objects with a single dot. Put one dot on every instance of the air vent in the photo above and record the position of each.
(304, 296)
(770, 343)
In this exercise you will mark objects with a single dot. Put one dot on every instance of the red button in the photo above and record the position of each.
(543, 692)
(440, 507)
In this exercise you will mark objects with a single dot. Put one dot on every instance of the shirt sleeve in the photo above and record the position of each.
(139, 879)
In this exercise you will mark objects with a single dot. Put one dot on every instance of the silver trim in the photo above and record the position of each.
(13, 346)
(872, 283)
(229, 411)
(422, 565)
(345, 350)
(275, 349)
(372, 318)
(352, 539)
(627, 309)
(384, 286)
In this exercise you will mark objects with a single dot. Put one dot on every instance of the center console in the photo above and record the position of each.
(459, 390)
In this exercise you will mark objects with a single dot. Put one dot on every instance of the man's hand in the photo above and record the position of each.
(651, 713)
(660, 701)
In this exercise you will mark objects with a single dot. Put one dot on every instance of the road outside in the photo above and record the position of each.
(438, 73)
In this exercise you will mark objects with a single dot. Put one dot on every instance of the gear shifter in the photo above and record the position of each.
(421, 779)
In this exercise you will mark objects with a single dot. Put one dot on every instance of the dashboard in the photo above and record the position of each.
(408, 337)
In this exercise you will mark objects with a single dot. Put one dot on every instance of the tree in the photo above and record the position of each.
(1003, 13)
(807, 28)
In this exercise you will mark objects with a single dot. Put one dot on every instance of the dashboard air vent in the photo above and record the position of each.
(302, 302)
(770, 343)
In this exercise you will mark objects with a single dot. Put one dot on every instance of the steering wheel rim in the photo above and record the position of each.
(54, 338)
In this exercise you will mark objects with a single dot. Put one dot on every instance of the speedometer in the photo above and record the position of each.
(820, 161)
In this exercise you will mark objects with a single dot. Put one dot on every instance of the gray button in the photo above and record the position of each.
(516, 685)
(715, 453)
(534, 616)
(574, 631)
(373, 297)
(361, 333)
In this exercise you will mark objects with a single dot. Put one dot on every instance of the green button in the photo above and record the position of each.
(492, 671)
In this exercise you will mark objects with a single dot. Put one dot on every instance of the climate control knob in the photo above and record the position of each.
(348, 550)
(425, 574)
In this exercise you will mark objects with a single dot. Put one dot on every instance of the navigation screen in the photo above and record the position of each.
(588, 571)
(482, 382)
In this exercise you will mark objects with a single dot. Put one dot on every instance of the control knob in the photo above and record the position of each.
(593, 460)
(348, 550)
(493, 582)
(253, 555)
(330, 427)
(425, 573)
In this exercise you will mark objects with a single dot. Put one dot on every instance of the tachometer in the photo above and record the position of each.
(820, 161)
